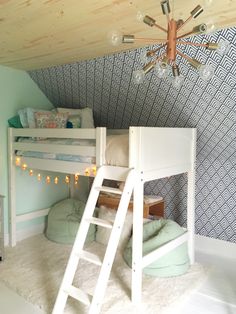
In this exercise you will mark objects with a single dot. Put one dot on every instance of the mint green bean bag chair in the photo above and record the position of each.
(155, 234)
(63, 222)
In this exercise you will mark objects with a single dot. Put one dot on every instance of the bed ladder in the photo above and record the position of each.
(67, 288)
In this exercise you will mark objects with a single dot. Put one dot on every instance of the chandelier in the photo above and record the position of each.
(163, 58)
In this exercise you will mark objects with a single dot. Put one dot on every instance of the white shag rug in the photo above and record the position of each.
(35, 268)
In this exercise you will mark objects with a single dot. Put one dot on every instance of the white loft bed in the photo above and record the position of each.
(153, 152)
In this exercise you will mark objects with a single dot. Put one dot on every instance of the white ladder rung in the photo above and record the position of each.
(79, 295)
(108, 189)
(90, 257)
(100, 222)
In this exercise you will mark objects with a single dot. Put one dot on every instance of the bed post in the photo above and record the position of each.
(100, 146)
(191, 200)
(12, 189)
(137, 253)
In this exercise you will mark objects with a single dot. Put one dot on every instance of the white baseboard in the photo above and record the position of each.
(26, 233)
(220, 248)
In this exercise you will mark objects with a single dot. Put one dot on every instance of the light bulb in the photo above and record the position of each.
(223, 47)
(115, 38)
(67, 179)
(161, 71)
(18, 161)
(143, 56)
(211, 27)
(140, 16)
(31, 172)
(207, 3)
(138, 76)
(206, 72)
(178, 81)
(24, 167)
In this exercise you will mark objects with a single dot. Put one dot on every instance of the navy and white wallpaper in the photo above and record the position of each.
(105, 85)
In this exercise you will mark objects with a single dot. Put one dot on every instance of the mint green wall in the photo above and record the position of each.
(17, 90)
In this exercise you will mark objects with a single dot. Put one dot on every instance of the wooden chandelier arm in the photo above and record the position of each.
(179, 42)
(157, 41)
(184, 23)
(160, 27)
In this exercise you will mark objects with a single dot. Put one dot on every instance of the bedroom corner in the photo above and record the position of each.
(17, 91)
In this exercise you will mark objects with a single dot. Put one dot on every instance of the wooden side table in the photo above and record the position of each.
(1, 228)
(155, 208)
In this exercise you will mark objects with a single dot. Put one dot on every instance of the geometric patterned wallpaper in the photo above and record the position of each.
(105, 85)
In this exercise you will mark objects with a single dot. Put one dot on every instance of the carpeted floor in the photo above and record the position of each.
(35, 267)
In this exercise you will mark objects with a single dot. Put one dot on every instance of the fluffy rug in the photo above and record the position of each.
(35, 267)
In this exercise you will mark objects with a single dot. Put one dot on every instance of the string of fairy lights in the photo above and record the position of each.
(19, 162)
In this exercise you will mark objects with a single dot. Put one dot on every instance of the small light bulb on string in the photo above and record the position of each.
(39, 177)
(48, 179)
(24, 167)
(76, 179)
(67, 179)
(18, 161)
(87, 172)
(94, 169)
(56, 180)
(31, 172)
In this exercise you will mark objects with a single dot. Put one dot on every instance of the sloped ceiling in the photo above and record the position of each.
(42, 33)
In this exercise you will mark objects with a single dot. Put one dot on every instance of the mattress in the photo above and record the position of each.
(116, 154)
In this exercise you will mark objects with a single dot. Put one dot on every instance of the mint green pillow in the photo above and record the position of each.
(14, 122)
(155, 234)
(63, 222)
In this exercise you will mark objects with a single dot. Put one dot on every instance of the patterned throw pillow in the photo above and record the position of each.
(74, 122)
(86, 115)
(51, 120)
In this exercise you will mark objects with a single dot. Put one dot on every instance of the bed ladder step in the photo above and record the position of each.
(79, 295)
(90, 257)
(95, 302)
(100, 222)
(107, 189)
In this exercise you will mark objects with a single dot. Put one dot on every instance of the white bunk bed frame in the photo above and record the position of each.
(153, 152)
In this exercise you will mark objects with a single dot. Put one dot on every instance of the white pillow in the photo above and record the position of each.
(117, 150)
(86, 115)
(103, 234)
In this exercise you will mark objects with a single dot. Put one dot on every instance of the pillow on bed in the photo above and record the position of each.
(14, 122)
(74, 122)
(117, 150)
(51, 120)
(27, 116)
(85, 114)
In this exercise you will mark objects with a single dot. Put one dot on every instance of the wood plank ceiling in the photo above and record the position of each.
(41, 33)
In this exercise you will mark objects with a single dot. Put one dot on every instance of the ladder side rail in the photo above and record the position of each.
(78, 245)
(112, 244)
(191, 198)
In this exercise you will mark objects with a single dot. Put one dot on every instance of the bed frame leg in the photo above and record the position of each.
(11, 189)
(137, 253)
(191, 215)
